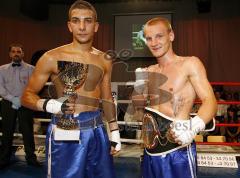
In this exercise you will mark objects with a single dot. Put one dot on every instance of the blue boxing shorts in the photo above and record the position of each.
(87, 158)
(162, 157)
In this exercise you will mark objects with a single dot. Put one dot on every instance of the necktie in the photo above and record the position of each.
(16, 64)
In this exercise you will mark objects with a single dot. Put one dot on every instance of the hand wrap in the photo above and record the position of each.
(115, 140)
(55, 106)
(186, 130)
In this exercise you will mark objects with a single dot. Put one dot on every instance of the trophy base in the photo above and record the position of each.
(67, 124)
(66, 135)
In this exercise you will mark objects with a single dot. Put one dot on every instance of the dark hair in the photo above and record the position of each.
(36, 56)
(80, 4)
(233, 109)
(15, 45)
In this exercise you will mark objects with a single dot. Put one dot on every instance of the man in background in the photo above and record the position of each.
(13, 79)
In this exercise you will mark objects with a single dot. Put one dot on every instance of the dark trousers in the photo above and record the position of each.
(25, 118)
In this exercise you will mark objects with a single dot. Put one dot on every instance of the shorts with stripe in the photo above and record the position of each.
(180, 163)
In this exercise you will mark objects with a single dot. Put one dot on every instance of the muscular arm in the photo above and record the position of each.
(203, 89)
(39, 77)
(107, 100)
(110, 109)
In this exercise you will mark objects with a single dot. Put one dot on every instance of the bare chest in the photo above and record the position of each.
(171, 80)
(172, 92)
(83, 74)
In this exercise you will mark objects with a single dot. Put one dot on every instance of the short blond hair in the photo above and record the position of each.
(156, 20)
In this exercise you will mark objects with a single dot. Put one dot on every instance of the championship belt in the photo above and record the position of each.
(155, 132)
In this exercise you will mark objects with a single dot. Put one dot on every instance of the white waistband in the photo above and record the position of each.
(166, 152)
(159, 113)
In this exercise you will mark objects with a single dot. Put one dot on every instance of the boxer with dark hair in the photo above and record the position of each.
(77, 142)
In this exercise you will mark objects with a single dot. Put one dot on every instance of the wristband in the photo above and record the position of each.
(45, 105)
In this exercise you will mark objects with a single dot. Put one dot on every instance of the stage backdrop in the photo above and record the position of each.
(213, 37)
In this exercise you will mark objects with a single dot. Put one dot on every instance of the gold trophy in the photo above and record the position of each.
(72, 76)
